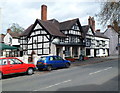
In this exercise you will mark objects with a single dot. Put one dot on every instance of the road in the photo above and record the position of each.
(94, 77)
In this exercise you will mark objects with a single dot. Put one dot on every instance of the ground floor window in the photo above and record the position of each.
(75, 51)
(67, 51)
(103, 51)
(97, 52)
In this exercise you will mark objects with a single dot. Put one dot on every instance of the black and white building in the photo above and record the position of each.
(97, 44)
(46, 37)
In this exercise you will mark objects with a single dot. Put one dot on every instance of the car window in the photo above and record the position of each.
(3, 62)
(58, 58)
(42, 59)
(51, 58)
(15, 61)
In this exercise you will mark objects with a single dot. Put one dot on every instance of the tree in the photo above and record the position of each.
(110, 13)
(16, 28)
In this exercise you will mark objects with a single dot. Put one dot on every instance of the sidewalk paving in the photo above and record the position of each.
(93, 60)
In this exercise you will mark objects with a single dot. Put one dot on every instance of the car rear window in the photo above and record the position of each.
(3, 62)
(42, 59)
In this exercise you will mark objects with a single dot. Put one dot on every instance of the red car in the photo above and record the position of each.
(12, 65)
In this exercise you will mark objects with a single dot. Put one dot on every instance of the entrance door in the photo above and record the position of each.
(58, 50)
(94, 52)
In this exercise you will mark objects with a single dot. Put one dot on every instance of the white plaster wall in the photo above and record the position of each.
(53, 49)
(7, 39)
(15, 41)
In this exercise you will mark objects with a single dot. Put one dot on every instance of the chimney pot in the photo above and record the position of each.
(44, 12)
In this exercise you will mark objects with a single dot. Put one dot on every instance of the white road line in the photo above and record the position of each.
(54, 85)
(99, 71)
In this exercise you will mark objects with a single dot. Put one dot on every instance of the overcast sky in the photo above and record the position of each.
(25, 12)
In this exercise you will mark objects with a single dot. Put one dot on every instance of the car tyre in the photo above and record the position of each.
(67, 65)
(30, 71)
(49, 68)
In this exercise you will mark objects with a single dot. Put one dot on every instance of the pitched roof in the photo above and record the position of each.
(66, 25)
(98, 34)
(52, 26)
(27, 31)
(85, 29)
(14, 34)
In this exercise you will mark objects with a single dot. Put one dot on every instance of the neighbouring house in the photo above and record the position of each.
(97, 44)
(113, 35)
(12, 38)
(11, 44)
(46, 37)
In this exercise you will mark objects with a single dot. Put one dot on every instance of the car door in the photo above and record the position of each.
(5, 67)
(52, 61)
(60, 61)
(17, 66)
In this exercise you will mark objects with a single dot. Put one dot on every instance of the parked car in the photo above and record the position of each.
(49, 62)
(12, 65)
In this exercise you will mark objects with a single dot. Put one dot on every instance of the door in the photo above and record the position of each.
(17, 66)
(5, 67)
(59, 61)
(58, 49)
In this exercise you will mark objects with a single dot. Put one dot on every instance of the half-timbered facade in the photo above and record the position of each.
(97, 44)
(53, 37)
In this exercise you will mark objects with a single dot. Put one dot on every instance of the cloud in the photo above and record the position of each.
(24, 13)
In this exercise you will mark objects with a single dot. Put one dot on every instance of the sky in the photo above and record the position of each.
(25, 12)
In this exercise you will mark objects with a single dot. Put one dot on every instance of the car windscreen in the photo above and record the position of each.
(42, 59)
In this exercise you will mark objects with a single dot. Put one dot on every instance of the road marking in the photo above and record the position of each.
(54, 85)
(99, 71)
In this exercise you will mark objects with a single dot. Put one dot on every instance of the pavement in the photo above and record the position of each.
(93, 60)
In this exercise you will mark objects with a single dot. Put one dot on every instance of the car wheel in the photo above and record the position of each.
(49, 68)
(67, 65)
(30, 71)
(0, 75)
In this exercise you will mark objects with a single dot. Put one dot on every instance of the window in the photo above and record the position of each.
(87, 52)
(58, 58)
(42, 59)
(97, 52)
(51, 59)
(15, 61)
(3, 62)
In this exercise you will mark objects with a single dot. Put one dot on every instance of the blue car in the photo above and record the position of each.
(49, 62)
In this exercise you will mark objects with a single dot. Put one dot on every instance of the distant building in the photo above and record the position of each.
(113, 35)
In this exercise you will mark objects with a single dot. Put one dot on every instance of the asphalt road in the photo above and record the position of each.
(94, 77)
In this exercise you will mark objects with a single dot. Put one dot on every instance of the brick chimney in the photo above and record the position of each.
(8, 30)
(44, 12)
(98, 30)
(91, 22)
